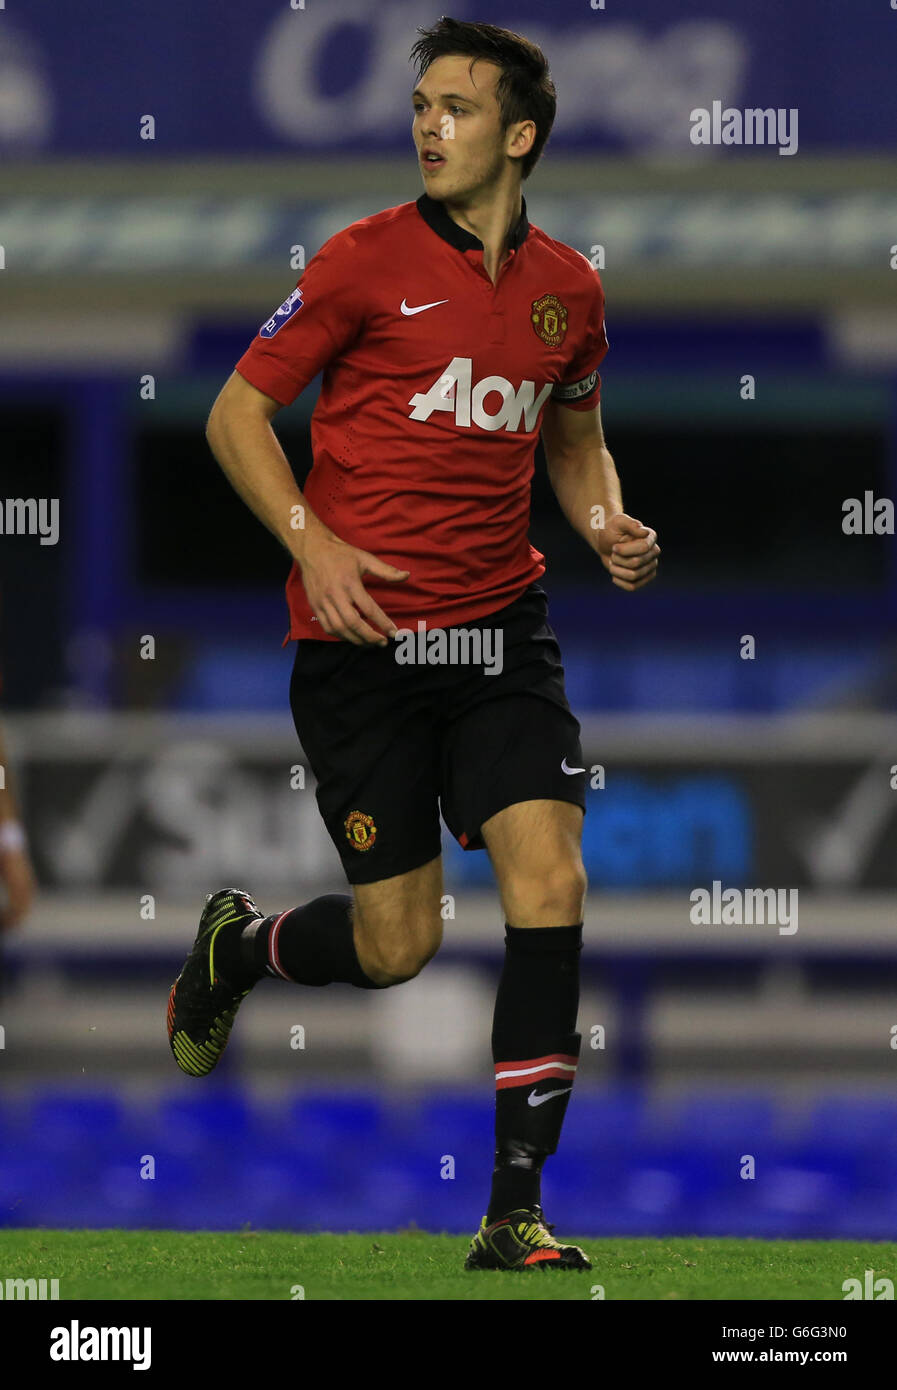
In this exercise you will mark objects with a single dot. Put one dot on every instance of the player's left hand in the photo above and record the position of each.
(629, 552)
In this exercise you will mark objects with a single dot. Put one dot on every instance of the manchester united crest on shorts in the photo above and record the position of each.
(549, 319)
(361, 832)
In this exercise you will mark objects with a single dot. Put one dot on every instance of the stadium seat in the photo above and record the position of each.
(724, 1121)
(611, 1122)
(62, 1117)
(853, 1123)
(191, 1123)
(322, 1117)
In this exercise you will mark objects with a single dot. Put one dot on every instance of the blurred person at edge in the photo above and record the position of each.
(17, 880)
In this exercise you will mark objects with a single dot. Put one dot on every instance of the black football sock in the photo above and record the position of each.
(310, 945)
(536, 1050)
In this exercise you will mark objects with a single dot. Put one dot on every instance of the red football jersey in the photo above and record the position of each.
(435, 380)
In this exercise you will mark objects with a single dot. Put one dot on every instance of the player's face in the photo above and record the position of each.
(456, 113)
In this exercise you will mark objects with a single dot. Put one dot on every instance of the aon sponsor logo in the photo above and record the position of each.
(454, 392)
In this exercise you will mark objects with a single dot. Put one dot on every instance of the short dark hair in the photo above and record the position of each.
(525, 91)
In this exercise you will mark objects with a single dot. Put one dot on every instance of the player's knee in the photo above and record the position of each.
(404, 965)
(396, 966)
(556, 893)
(394, 959)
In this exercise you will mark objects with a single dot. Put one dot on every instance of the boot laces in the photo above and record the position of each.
(538, 1233)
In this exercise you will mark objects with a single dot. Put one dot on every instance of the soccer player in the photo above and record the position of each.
(450, 330)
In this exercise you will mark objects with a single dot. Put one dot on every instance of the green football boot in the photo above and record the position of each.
(202, 1005)
(522, 1240)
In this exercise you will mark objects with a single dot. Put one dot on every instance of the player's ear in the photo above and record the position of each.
(521, 138)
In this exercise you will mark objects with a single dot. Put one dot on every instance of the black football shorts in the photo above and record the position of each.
(392, 744)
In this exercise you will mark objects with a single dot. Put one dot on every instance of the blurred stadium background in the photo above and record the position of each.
(135, 273)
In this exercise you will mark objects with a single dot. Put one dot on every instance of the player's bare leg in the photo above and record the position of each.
(534, 847)
(398, 923)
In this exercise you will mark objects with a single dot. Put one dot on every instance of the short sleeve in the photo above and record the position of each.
(315, 324)
(581, 387)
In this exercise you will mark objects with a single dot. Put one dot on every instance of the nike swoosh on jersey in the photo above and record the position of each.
(533, 1099)
(570, 770)
(419, 308)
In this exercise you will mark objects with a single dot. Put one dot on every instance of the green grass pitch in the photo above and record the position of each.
(416, 1265)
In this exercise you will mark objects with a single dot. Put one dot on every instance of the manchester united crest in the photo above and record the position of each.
(549, 319)
(361, 832)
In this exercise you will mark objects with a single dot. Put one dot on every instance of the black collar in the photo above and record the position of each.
(435, 216)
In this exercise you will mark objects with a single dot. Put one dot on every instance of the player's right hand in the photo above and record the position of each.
(331, 575)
